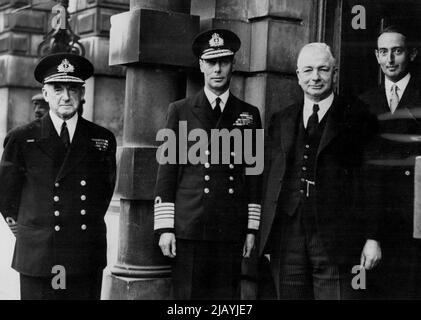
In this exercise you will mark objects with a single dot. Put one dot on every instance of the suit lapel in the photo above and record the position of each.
(203, 110)
(77, 150)
(409, 103)
(49, 140)
(334, 123)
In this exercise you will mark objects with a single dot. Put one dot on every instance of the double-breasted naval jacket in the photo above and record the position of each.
(59, 197)
(209, 200)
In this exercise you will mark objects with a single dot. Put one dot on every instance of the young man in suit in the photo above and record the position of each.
(207, 213)
(57, 178)
(310, 226)
(389, 168)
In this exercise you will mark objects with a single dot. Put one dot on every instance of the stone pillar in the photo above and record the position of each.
(279, 28)
(104, 92)
(153, 40)
(20, 34)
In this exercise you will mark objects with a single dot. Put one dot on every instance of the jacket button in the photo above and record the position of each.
(56, 213)
(57, 228)
(83, 197)
(206, 190)
(230, 190)
(207, 152)
(305, 156)
(304, 168)
(302, 191)
(83, 227)
(56, 198)
(83, 183)
(231, 166)
(231, 178)
(83, 212)
(56, 184)
(407, 173)
(232, 154)
(207, 165)
(207, 178)
(307, 146)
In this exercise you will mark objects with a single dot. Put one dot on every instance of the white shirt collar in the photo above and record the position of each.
(71, 123)
(212, 97)
(324, 106)
(401, 84)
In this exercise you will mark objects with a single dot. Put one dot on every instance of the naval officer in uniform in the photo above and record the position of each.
(57, 178)
(207, 214)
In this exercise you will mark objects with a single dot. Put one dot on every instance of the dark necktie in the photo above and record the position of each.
(64, 135)
(313, 121)
(217, 110)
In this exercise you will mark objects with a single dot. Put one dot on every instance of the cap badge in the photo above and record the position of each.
(216, 41)
(65, 66)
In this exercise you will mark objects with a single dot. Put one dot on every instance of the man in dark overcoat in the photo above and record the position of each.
(207, 212)
(389, 169)
(310, 225)
(57, 178)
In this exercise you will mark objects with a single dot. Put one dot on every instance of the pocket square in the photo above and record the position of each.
(244, 119)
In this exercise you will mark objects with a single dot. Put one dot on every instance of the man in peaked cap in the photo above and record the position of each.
(207, 214)
(57, 178)
(40, 106)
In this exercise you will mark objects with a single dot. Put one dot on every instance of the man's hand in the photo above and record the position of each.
(371, 254)
(167, 244)
(12, 225)
(248, 245)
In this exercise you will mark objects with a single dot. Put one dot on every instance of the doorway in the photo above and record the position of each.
(354, 48)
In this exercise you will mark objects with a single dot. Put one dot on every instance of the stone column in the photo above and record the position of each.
(279, 28)
(153, 40)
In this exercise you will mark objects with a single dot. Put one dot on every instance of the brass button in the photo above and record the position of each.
(207, 178)
(83, 183)
(231, 178)
(407, 173)
(207, 152)
(304, 168)
(83, 227)
(305, 156)
(56, 184)
(83, 212)
(56, 213)
(230, 190)
(206, 190)
(56, 198)
(231, 166)
(307, 146)
(57, 228)
(83, 197)
(233, 154)
(207, 165)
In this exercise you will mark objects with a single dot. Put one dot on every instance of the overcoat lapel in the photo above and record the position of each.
(77, 150)
(49, 140)
(290, 126)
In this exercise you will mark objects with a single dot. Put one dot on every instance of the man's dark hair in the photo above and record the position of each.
(403, 30)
